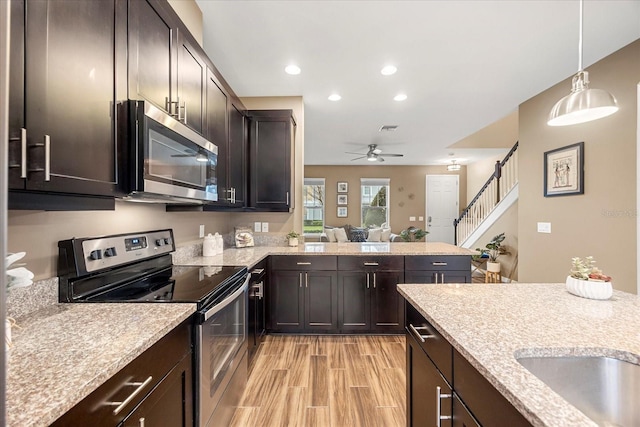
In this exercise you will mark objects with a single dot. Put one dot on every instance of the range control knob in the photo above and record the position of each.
(159, 242)
(95, 255)
(110, 252)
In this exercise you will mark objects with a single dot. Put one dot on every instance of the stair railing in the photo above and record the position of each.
(503, 179)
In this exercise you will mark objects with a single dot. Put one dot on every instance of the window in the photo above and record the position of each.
(313, 206)
(374, 201)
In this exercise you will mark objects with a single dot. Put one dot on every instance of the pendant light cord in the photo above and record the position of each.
(580, 37)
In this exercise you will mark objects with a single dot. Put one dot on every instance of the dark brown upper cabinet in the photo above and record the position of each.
(271, 160)
(62, 136)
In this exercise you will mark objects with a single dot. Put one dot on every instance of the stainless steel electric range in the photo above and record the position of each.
(137, 267)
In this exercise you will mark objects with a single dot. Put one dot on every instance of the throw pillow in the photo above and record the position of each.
(385, 235)
(340, 235)
(358, 235)
(375, 235)
(331, 234)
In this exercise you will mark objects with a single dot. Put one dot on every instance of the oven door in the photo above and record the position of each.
(222, 361)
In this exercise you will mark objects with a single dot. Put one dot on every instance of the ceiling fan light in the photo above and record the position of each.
(582, 104)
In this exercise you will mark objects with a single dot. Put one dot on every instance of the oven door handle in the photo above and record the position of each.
(228, 300)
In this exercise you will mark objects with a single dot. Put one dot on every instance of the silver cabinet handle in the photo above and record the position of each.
(439, 397)
(374, 280)
(438, 263)
(139, 386)
(300, 279)
(371, 264)
(47, 158)
(418, 335)
(367, 280)
(23, 153)
(303, 263)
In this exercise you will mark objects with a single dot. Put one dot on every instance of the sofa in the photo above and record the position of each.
(350, 233)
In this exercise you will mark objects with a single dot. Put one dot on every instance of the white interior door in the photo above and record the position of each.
(441, 207)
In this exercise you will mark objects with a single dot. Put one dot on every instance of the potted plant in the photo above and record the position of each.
(292, 237)
(493, 250)
(588, 281)
(413, 234)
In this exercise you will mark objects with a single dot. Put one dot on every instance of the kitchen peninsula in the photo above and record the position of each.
(490, 326)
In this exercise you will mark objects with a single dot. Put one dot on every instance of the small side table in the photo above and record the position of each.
(492, 277)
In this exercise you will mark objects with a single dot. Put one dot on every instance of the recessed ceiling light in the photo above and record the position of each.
(400, 97)
(334, 97)
(388, 70)
(292, 69)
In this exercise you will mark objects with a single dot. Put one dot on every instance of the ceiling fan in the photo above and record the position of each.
(374, 154)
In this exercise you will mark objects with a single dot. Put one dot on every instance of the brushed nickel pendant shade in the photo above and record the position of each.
(582, 104)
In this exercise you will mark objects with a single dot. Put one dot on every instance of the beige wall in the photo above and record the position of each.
(191, 15)
(281, 222)
(602, 222)
(507, 224)
(37, 232)
(407, 191)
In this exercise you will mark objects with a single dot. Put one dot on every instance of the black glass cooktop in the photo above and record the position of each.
(190, 284)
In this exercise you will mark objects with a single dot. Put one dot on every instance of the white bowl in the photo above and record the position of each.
(589, 288)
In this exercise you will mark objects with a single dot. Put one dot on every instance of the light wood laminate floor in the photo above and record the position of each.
(326, 381)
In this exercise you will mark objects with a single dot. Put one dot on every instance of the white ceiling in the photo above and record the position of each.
(462, 64)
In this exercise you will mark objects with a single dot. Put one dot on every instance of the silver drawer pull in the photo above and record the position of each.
(439, 397)
(438, 263)
(371, 264)
(303, 263)
(121, 405)
(417, 334)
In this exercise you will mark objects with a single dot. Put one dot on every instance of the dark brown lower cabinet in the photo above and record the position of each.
(155, 389)
(428, 393)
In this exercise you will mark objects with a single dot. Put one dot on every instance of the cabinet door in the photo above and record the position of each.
(271, 160)
(287, 300)
(321, 301)
(354, 301)
(17, 143)
(387, 305)
(71, 94)
(191, 75)
(217, 130)
(237, 156)
(423, 380)
(461, 415)
(170, 403)
(152, 56)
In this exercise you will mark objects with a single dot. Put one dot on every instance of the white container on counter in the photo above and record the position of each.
(209, 245)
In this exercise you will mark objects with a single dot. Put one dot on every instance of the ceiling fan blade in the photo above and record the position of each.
(358, 158)
(391, 155)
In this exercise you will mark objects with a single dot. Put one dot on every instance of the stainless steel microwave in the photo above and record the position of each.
(163, 160)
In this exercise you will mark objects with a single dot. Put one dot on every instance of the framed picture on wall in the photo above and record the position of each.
(564, 171)
(343, 187)
(342, 199)
(342, 211)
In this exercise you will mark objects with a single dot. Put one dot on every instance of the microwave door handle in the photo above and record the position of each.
(228, 300)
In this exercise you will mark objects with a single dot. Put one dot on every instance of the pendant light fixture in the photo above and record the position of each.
(582, 104)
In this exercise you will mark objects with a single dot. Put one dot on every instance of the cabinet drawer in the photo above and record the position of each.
(435, 345)
(304, 262)
(486, 403)
(437, 262)
(366, 262)
(150, 368)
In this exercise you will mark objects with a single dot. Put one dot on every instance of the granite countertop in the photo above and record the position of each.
(251, 256)
(64, 352)
(492, 324)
